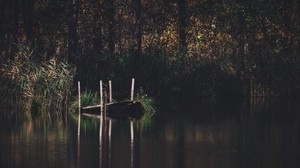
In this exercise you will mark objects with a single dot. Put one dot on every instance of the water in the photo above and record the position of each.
(234, 135)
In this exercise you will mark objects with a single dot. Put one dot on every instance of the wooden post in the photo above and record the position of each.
(79, 108)
(101, 126)
(110, 100)
(132, 89)
(79, 121)
(101, 98)
(101, 110)
(110, 92)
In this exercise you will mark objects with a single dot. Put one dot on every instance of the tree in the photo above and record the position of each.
(28, 19)
(2, 12)
(16, 19)
(138, 27)
(72, 34)
(182, 15)
(97, 28)
(138, 34)
(111, 26)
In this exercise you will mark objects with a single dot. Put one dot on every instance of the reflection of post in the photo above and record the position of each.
(78, 151)
(131, 145)
(132, 153)
(131, 130)
(109, 151)
(79, 109)
(109, 128)
(134, 147)
(100, 143)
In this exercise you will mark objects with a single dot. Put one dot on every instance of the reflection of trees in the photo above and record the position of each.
(265, 131)
(36, 144)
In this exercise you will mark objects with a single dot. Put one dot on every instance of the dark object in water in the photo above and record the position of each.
(127, 109)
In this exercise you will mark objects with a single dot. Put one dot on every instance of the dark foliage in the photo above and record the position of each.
(184, 47)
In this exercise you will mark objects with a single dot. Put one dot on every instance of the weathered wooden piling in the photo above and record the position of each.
(132, 89)
(101, 98)
(110, 92)
(101, 109)
(79, 109)
(110, 101)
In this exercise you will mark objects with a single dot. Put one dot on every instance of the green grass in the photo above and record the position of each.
(87, 99)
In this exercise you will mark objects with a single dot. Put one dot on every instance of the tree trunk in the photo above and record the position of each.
(111, 26)
(16, 19)
(28, 20)
(72, 34)
(298, 24)
(2, 12)
(138, 38)
(97, 29)
(182, 15)
(138, 27)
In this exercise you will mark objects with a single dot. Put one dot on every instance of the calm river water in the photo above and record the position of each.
(261, 133)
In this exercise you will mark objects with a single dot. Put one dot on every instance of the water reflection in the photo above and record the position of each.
(105, 144)
(78, 151)
(247, 135)
(23, 145)
(255, 134)
(101, 157)
(106, 137)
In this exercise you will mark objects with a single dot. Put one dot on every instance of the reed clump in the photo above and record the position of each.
(148, 104)
(43, 82)
(88, 98)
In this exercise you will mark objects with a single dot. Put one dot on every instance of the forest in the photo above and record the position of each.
(207, 48)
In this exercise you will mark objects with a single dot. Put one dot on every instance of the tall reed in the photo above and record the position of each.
(44, 82)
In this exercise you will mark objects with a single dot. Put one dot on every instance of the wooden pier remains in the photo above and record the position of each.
(109, 110)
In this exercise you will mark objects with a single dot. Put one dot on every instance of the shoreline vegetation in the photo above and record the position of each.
(179, 49)
(41, 87)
